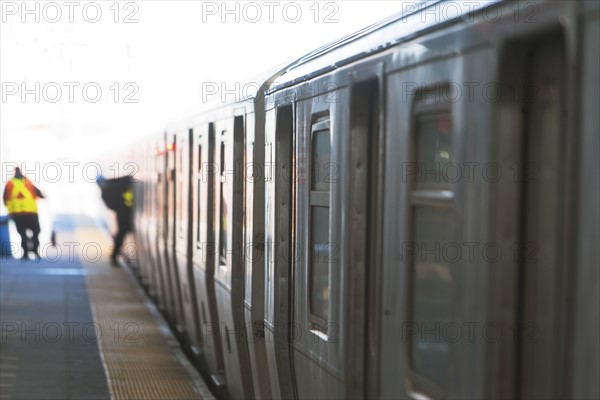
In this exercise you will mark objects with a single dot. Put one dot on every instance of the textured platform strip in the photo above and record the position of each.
(142, 359)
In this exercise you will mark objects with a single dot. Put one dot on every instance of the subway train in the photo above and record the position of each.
(410, 212)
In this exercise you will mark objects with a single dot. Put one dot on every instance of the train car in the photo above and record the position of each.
(408, 212)
(210, 193)
(378, 129)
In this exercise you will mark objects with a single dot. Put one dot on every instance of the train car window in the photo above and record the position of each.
(320, 246)
(435, 153)
(321, 165)
(431, 280)
(223, 210)
(431, 287)
(320, 263)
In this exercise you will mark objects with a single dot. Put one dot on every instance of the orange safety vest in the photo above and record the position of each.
(21, 198)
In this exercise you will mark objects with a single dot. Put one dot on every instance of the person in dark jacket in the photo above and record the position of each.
(20, 197)
(117, 194)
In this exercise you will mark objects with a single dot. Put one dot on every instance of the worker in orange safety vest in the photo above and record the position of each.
(20, 198)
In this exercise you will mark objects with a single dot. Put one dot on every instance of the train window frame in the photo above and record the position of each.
(207, 181)
(199, 193)
(179, 187)
(421, 196)
(223, 247)
(318, 199)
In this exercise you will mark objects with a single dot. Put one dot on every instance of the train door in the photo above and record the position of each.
(535, 213)
(161, 227)
(422, 291)
(586, 325)
(173, 158)
(154, 176)
(184, 240)
(279, 251)
(364, 241)
(254, 239)
(139, 248)
(149, 156)
(145, 157)
(318, 273)
(143, 216)
(229, 269)
(204, 252)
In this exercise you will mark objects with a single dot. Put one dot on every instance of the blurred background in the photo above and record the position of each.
(81, 81)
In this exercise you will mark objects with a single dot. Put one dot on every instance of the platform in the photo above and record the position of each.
(74, 327)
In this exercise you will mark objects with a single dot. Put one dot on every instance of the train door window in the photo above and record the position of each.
(199, 188)
(171, 186)
(430, 282)
(237, 197)
(319, 230)
(223, 207)
(434, 151)
(179, 191)
(283, 176)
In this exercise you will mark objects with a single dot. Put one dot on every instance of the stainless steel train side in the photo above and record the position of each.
(411, 212)
(400, 109)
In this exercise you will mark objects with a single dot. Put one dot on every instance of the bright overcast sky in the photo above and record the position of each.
(157, 53)
(160, 57)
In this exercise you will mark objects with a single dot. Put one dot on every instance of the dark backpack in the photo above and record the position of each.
(113, 190)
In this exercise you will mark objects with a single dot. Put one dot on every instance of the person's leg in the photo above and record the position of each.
(22, 230)
(126, 227)
(118, 239)
(34, 225)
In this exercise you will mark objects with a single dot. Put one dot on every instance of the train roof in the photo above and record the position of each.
(415, 20)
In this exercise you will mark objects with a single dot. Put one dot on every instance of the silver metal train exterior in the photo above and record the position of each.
(410, 212)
